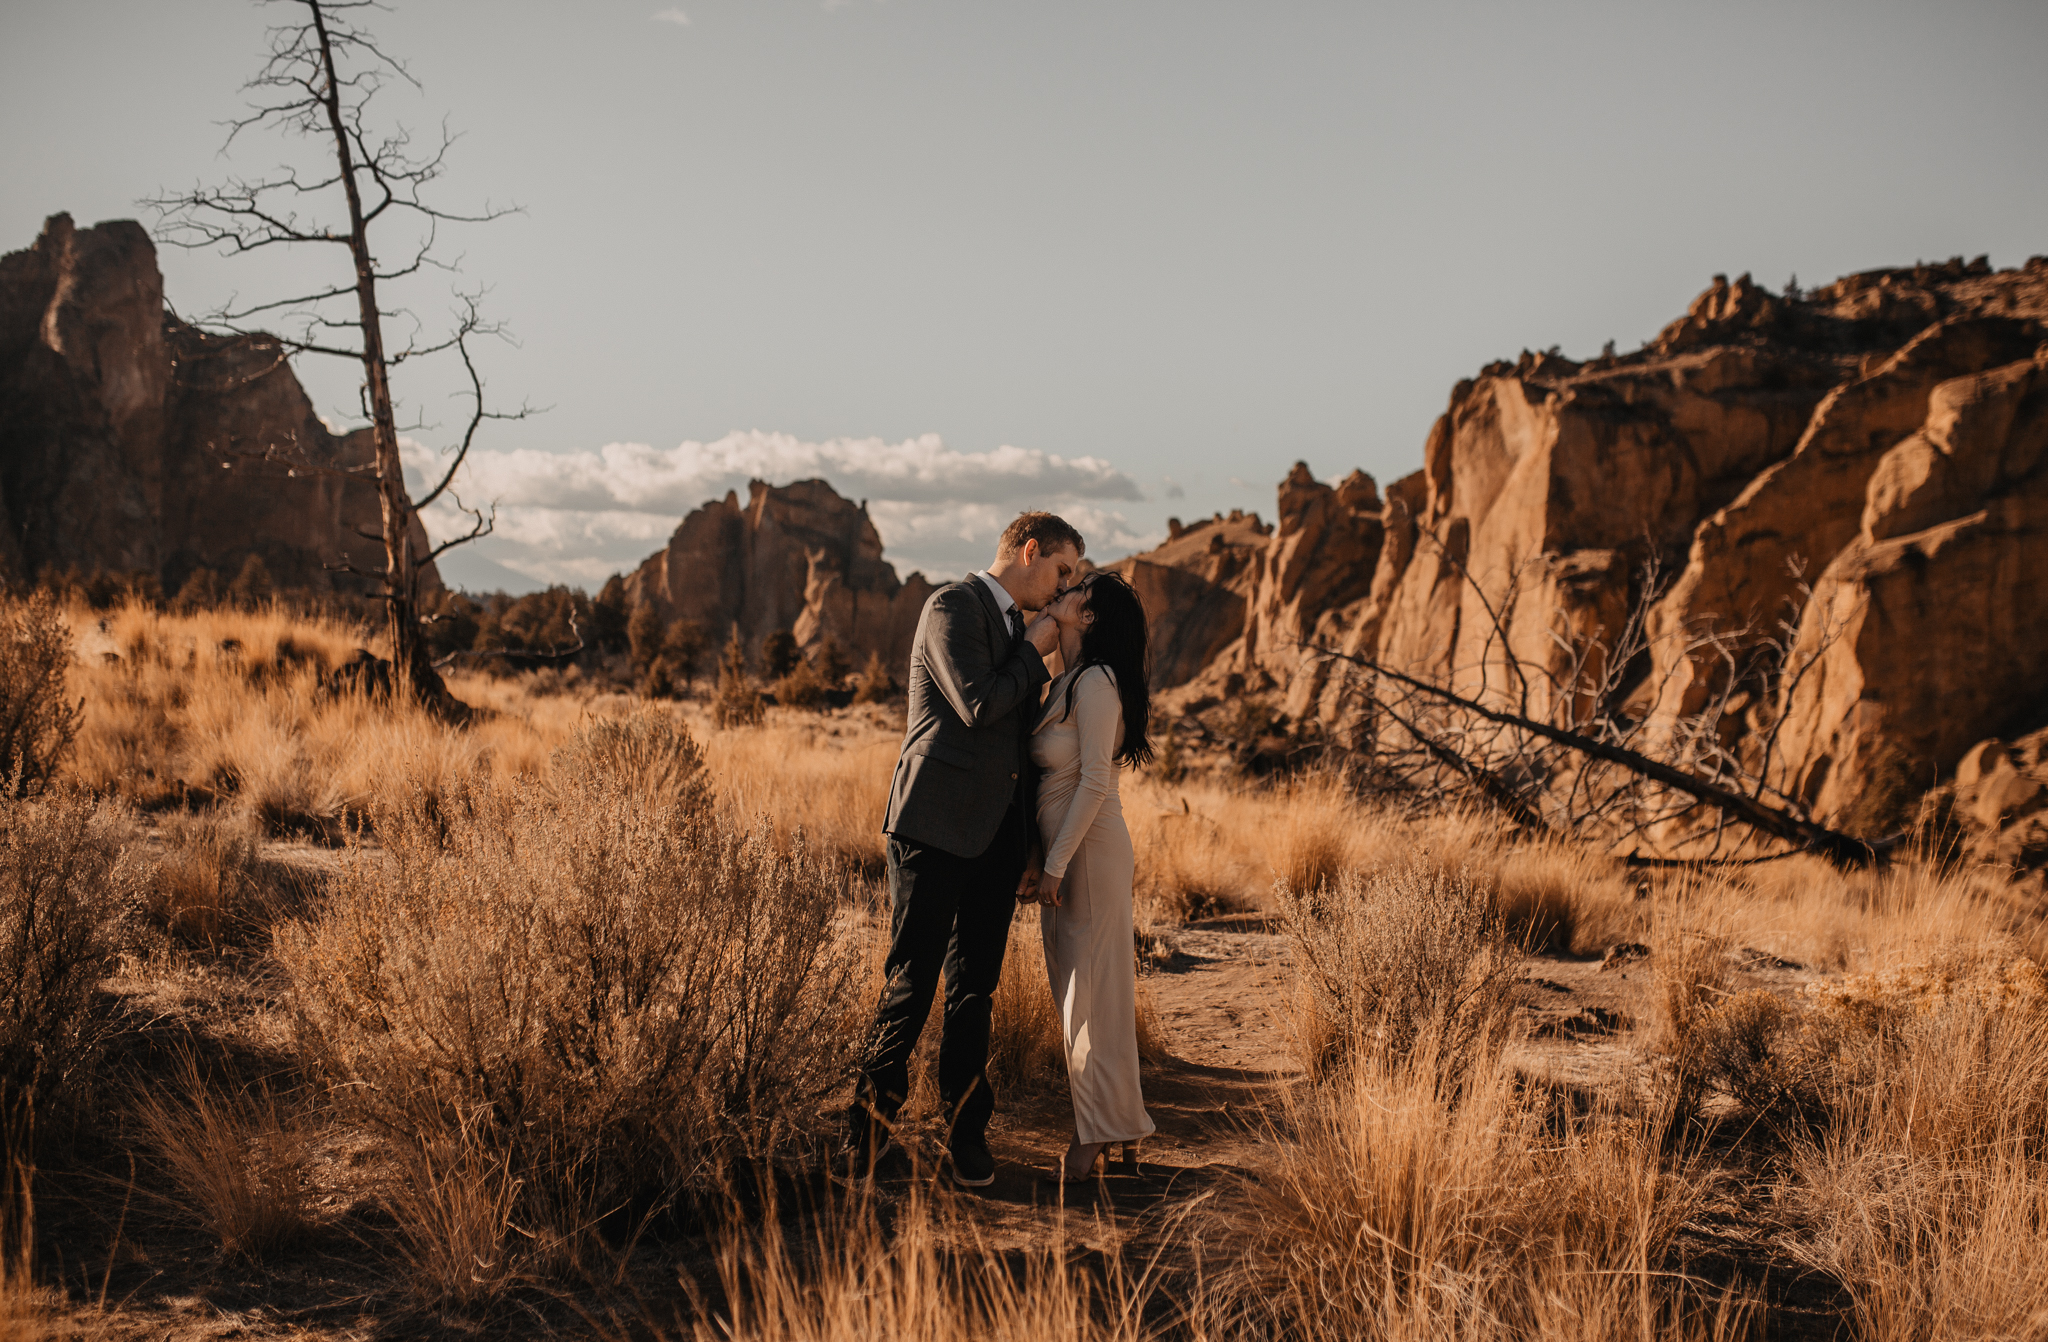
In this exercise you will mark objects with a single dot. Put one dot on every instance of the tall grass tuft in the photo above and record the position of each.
(1928, 1186)
(918, 1271)
(1429, 1196)
(236, 1160)
(614, 992)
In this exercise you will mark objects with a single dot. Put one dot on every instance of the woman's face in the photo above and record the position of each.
(1070, 611)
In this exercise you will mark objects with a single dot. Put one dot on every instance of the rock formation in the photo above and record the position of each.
(798, 557)
(1882, 441)
(117, 419)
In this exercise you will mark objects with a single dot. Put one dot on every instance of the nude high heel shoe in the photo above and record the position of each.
(1079, 1165)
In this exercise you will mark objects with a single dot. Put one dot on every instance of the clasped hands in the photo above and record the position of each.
(1036, 886)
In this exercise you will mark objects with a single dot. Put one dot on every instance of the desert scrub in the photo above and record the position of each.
(38, 720)
(1399, 960)
(590, 978)
(63, 895)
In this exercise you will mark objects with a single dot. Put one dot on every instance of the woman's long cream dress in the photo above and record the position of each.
(1088, 943)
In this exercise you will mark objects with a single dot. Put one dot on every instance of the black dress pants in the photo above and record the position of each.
(952, 914)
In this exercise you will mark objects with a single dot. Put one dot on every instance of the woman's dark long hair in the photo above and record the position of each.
(1116, 639)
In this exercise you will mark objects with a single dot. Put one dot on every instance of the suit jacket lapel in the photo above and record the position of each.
(994, 612)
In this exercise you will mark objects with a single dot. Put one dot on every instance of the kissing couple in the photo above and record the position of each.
(1005, 791)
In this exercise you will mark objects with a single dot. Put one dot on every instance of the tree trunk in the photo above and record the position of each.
(413, 678)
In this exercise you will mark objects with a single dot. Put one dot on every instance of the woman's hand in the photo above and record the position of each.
(1049, 889)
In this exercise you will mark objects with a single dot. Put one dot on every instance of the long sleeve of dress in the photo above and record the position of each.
(1099, 716)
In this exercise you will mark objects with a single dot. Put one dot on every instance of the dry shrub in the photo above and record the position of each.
(1430, 1196)
(62, 896)
(1691, 970)
(38, 721)
(1399, 960)
(647, 755)
(1929, 1188)
(802, 688)
(614, 992)
(237, 1163)
(212, 888)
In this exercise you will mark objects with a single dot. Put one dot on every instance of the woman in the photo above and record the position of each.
(1094, 719)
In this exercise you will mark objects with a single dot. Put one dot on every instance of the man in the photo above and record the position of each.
(960, 829)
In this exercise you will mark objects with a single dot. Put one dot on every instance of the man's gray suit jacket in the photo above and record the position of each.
(971, 694)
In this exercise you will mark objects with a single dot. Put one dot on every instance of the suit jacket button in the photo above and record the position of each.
(1013, 777)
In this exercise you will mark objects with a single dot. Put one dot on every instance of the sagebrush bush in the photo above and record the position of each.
(595, 978)
(38, 719)
(63, 896)
(1397, 959)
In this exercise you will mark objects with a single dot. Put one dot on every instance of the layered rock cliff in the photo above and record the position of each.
(117, 420)
(798, 557)
(1865, 463)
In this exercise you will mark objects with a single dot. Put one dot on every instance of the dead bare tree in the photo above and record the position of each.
(319, 81)
(1574, 743)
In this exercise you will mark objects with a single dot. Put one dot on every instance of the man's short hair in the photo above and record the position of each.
(1050, 530)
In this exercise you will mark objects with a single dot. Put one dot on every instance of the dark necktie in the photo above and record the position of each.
(1016, 627)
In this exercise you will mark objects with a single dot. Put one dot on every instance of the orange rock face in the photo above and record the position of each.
(798, 557)
(119, 417)
(1864, 464)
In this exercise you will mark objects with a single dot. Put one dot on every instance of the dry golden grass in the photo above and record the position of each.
(826, 774)
(228, 705)
(561, 973)
(237, 1162)
(922, 1271)
(1929, 1187)
(1429, 1195)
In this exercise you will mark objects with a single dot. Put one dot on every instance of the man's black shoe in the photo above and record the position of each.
(870, 1150)
(973, 1166)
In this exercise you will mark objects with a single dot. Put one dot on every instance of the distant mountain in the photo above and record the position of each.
(797, 557)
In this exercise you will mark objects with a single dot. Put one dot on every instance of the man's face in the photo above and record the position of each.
(1047, 573)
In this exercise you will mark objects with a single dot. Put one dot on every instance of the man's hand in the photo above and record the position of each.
(1043, 634)
(1027, 884)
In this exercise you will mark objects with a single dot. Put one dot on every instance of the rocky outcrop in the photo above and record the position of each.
(798, 557)
(121, 429)
(1865, 464)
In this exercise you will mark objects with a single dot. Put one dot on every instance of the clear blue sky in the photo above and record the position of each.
(1187, 242)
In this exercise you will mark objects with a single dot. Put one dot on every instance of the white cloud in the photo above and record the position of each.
(670, 15)
(578, 516)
